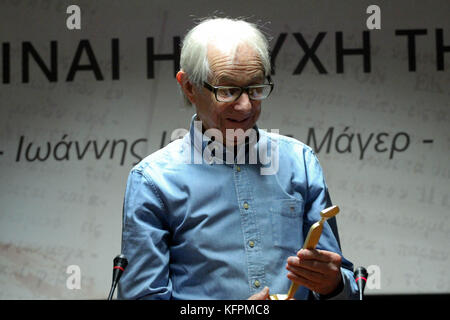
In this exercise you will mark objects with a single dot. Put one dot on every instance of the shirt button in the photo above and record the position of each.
(256, 283)
(245, 205)
(251, 244)
(238, 169)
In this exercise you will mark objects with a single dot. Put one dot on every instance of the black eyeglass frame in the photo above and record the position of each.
(214, 89)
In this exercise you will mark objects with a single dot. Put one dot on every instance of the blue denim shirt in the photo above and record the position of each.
(215, 230)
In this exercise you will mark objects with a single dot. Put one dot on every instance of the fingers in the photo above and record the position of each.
(320, 255)
(323, 287)
(316, 266)
(318, 270)
(307, 269)
(296, 278)
(262, 295)
(317, 260)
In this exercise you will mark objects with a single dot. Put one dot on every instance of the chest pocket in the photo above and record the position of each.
(287, 224)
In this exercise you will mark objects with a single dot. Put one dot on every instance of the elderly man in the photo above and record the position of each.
(220, 228)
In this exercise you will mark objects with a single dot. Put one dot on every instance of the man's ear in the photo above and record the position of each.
(186, 86)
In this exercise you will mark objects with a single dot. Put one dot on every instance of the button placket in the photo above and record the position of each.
(250, 229)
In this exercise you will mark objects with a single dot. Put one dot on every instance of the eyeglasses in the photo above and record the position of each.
(231, 93)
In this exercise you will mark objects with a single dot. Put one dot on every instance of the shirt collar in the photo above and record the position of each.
(209, 150)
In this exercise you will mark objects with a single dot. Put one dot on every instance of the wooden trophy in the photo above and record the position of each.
(310, 243)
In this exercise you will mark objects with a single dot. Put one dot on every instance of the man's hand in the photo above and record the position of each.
(318, 270)
(262, 295)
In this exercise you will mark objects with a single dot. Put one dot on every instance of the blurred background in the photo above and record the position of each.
(80, 107)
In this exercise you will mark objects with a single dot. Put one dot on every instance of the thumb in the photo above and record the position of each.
(262, 295)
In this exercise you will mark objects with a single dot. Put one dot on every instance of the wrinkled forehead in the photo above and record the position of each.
(240, 60)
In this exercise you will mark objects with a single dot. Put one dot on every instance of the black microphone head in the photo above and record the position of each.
(360, 276)
(361, 272)
(120, 261)
(119, 264)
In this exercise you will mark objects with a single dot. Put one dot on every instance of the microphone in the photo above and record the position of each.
(119, 264)
(360, 276)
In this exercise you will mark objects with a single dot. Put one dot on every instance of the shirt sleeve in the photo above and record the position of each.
(145, 239)
(317, 200)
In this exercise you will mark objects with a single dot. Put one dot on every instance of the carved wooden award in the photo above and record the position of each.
(310, 243)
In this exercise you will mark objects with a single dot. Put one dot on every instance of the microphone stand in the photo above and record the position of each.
(111, 292)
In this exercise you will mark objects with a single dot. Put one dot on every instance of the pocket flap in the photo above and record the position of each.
(291, 208)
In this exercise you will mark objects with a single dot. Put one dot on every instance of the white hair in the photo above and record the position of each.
(226, 35)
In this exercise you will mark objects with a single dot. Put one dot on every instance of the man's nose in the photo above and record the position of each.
(244, 103)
